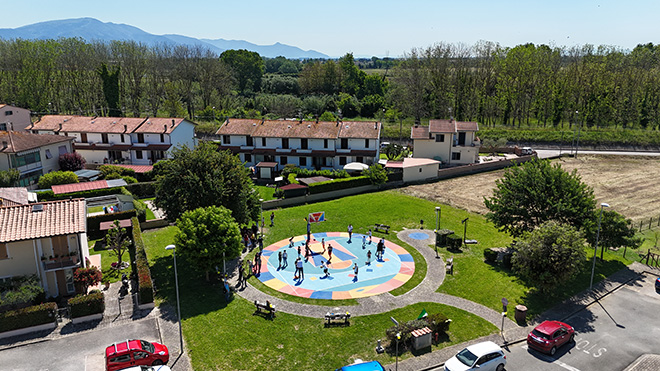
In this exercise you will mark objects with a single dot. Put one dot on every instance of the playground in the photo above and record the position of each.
(330, 273)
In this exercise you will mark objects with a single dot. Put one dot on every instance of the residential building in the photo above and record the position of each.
(128, 140)
(449, 141)
(415, 169)
(13, 196)
(14, 118)
(33, 155)
(306, 144)
(47, 239)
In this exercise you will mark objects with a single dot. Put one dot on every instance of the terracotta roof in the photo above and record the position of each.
(11, 196)
(467, 126)
(292, 186)
(394, 164)
(238, 127)
(442, 126)
(86, 186)
(412, 162)
(57, 218)
(296, 129)
(137, 168)
(18, 141)
(117, 125)
(313, 179)
(420, 132)
(157, 125)
(266, 164)
(359, 129)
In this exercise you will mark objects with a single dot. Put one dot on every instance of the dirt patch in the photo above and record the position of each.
(628, 184)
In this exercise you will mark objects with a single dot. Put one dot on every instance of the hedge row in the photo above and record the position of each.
(337, 184)
(94, 222)
(85, 305)
(145, 285)
(28, 317)
(50, 196)
(142, 190)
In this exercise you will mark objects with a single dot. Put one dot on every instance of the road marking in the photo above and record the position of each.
(552, 360)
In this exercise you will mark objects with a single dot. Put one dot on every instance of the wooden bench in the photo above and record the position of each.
(264, 308)
(329, 317)
(382, 228)
(449, 265)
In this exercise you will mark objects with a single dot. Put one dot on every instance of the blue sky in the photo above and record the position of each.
(368, 27)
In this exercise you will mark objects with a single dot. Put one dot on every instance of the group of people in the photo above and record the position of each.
(251, 239)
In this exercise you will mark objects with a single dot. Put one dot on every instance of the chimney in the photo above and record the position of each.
(5, 144)
(60, 129)
(165, 127)
(262, 121)
(125, 128)
(172, 123)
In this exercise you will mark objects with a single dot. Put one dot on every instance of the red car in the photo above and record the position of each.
(135, 353)
(550, 335)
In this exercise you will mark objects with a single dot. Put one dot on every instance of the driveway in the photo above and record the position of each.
(610, 334)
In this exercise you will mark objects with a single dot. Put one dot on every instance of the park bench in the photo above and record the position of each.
(449, 265)
(382, 228)
(264, 308)
(329, 317)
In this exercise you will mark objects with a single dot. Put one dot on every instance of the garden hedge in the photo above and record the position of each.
(142, 190)
(94, 222)
(85, 305)
(145, 285)
(28, 317)
(337, 184)
(50, 196)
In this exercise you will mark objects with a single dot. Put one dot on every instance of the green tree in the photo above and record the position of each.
(205, 177)
(550, 255)
(247, 68)
(56, 178)
(206, 236)
(117, 241)
(615, 231)
(393, 151)
(9, 178)
(87, 277)
(110, 88)
(376, 174)
(532, 193)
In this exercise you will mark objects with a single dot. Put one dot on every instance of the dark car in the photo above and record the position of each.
(657, 284)
(135, 353)
(550, 335)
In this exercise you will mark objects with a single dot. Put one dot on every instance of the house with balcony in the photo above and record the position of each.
(14, 118)
(448, 141)
(48, 239)
(306, 144)
(33, 155)
(126, 140)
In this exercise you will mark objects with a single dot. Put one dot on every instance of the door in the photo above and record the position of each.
(61, 283)
(60, 246)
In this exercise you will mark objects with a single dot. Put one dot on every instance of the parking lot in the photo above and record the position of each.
(610, 334)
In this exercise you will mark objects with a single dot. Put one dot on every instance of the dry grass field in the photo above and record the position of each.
(630, 185)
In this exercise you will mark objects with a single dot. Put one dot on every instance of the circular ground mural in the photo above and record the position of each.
(375, 275)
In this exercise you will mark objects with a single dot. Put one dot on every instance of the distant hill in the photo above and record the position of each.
(91, 29)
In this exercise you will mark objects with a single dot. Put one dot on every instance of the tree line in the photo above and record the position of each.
(527, 85)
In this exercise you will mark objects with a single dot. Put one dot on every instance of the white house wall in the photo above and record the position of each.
(21, 260)
(422, 172)
(53, 163)
(432, 149)
(183, 134)
(19, 118)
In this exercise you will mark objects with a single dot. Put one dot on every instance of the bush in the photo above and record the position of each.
(85, 305)
(405, 329)
(57, 178)
(28, 317)
(454, 241)
(72, 162)
(140, 209)
(291, 179)
(20, 291)
(279, 193)
(337, 184)
(142, 190)
(145, 285)
(438, 322)
(129, 179)
(490, 255)
(109, 170)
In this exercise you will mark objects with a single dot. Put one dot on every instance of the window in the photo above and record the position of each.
(121, 136)
(461, 139)
(226, 139)
(48, 154)
(440, 138)
(104, 138)
(62, 150)
(26, 159)
(140, 138)
(68, 276)
(9, 113)
(303, 143)
(285, 143)
(325, 143)
(455, 155)
(359, 159)
(122, 358)
(344, 143)
(3, 251)
(3, 127)
(248, 157)
(83, 137)
(138, 155)
(263, 142)
(283, 160)
(249, 141)
(342, 161)
(28, 179)
(140, 355)
(366, 143)
(162, 138)
(303, 161)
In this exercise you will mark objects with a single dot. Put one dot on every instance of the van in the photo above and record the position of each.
(526, 151)
(363, 366)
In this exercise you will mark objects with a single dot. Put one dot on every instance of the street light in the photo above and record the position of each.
(593, 266)
(176, 280)
(464, 222)
(398, 337)
(261, 209)
(438, 211)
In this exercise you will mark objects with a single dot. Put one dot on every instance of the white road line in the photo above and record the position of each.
(554, 361)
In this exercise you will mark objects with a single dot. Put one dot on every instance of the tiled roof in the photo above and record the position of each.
(137, 168)
(57, 218)
(296, 129)
(159, 125)
(116, 125)
(86, 186)
(13, 196)
(442, 126)
(412, 162)
(238, 127)
(359, 129)
(467, 126)
(420, 132)
(266, 164)
(292, 186)
(18, 141)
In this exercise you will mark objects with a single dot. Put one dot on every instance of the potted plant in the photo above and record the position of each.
(43, 258)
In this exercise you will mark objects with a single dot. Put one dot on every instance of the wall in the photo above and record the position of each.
(480, 168)
(155, 223)
(423, 148)
(413, 174)
(21, 259)
(53, 163)
(19, 118)
(93, 157)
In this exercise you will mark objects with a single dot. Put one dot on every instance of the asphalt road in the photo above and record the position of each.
(546, 153)
(610, 334)
(83, 351)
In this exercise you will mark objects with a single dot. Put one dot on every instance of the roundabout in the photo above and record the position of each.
(376, 275)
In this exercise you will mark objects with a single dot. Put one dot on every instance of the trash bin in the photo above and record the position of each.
(521, 313)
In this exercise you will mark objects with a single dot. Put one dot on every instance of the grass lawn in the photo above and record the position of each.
(107, 258)
(266, 193)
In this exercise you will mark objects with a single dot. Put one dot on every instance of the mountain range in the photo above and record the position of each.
(91, 29)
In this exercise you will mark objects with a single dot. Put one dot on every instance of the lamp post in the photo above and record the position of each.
(593, 266)
(438, 211)
(261, 209)
(464, 222)
(398, 337)
(176, 280)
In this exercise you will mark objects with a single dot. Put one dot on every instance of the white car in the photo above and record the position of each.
(147, 368)
(486, 356)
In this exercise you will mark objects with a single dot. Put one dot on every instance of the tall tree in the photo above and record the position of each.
(534, 192)
(9, 178)
(111, 88)
(247, 67)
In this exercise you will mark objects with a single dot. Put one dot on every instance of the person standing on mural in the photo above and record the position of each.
(350, 232)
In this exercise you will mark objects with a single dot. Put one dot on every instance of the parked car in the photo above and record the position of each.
(486, 356)
(526, 151)
(147, 368)
(135, 353)
(363, 366)
(657, 284)
(550, 335)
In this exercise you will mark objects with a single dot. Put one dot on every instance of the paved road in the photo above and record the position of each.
(611, 333)
(548, 153)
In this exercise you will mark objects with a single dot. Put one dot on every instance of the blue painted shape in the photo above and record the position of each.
(267, 252)
(418, 236)
(266, 276)
(342, 255)
(321, 295)
(319, 235)
(406, 258)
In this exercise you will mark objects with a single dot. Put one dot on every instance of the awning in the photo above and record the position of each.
(356, 166)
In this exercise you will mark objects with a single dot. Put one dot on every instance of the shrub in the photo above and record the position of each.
(28, 317)
(56, 178)
(109, 170)
(291, 179)
(337, 184)
(142, 190)
(72, 162)
(21, 291)
(490, 255)
(140, 209)
(454, 241)
(279, 193)
(438, 322)
(376, 174)
(145, 285)
(405, 329)
(86, 277)
(85, 305)
(129, 179)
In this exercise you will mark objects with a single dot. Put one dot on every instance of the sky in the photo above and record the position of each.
(365, 27)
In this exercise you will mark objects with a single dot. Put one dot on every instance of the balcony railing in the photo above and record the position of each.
(61, 263)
